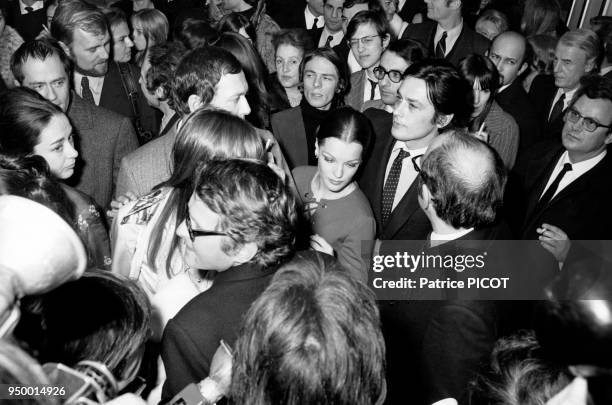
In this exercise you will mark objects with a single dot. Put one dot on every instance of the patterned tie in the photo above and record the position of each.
(86, 91)
(328, 41)
(557, 108)
(315, 23)
(373, 89)
(441, 47)
(550, 193)
(390, 187)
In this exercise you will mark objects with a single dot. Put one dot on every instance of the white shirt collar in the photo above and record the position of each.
(605, 70)
(450, 236)
(413, 152)
(585, 165)
(336, 37)
(95, 85)
(311, 17)
(37, 5)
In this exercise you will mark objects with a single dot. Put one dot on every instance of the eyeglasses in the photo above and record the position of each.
(394, 75)
(194, 233)
(587, 123)
(365, 41)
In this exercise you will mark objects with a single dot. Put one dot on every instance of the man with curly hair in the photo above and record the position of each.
(241, 223)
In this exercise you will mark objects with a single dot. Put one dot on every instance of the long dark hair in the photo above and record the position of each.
(206, 134)
(344, 80)
(477, 67)
(24, 114)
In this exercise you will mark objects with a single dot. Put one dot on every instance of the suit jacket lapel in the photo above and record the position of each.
(581, 183)
(543, 177)
(402, 212)
(457, 44)
(79, 113)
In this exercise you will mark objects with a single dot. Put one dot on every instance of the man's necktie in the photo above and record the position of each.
(315, 23)
(373, 89)
(328, 41)
(441, 47)
(550, 193)
(86, 91)
(390, 187)
(557, 108)
(29, 9)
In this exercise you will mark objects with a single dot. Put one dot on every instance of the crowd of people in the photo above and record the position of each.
(192, 196)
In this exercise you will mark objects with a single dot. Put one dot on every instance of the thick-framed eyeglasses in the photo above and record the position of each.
(365, 41)
(394, 75)
(194, 233)
(588, 124)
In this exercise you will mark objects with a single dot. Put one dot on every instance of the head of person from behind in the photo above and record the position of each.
(462, 182)
(433, 95)
(210, 76)
(588, 120)
(342, 141)
(42, 65)
(31, 125)
(240, 212)
(325, 78)
(331, 319)
(82, 32)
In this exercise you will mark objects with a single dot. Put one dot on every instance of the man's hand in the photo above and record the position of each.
(555, 240)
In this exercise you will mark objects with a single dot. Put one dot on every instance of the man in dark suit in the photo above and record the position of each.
(568, 186)
(576, 55)
(511, 54)
(331, 34)
(447, 36)
(433, 95)
(27, 17)
(82, 31)
(103, 137)
(434, 348)
(241, 222)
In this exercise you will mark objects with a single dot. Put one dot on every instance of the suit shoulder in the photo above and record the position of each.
(542, 84)
(158, 146)
(481, 43)
(286, 116)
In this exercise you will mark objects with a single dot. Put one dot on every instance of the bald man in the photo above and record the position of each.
(434, 348)
(512, 54)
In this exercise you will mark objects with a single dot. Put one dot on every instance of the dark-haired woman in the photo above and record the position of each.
(31, 125)
(339, 211)
(325, 80)
(489, 122)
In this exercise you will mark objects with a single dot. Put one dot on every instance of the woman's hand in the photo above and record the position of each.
(319, 244)
(120, 202)
(555, 240)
